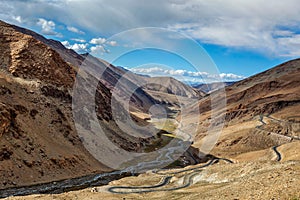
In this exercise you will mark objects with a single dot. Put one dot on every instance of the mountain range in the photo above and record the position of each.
(39, 142)
(258, 119)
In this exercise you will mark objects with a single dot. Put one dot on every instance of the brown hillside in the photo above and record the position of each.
(38, 139)
(271, 94)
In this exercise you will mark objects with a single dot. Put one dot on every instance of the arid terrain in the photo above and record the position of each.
(39, 142)
(256, 155)
(262, 178)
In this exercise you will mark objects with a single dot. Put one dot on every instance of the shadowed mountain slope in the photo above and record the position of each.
(38, 139)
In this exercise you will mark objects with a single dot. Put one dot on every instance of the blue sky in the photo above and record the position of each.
(236, 38)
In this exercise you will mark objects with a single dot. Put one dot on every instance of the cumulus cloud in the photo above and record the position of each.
(99, 49)
(258, 25)
(75, 30)
(101, 45)
(231, 76)
(78, 40)
(48, 27)
(98, 41)
(66, 43)
(81, 48)
(187, 76)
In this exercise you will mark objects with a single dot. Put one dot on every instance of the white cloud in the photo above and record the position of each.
(98, 41)
(151, 70)
(48, 27)
(79, 47)
(282, 33)
(256, 25)
(112, 43)
(99, 49)
(76, 47)
(231, 76)
(197, 74)
(18, 19)
(78, 40)
(290, 45)
(188, 76)
(66, 44)
(101, 45)
(8, 12)
(75, 30)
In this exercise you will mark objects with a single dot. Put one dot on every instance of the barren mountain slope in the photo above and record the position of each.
(152, 85)
(171, 86)
(38, 140)
(210, 87)
(110, 76)
(261, 137)
(261, 111)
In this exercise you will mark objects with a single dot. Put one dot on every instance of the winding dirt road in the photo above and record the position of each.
(275, 148)
(165, 181)
(260, 127)
(104, 179)
(279, 157)
(188, 178)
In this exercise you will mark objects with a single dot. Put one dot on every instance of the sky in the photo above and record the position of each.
(191, 40)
